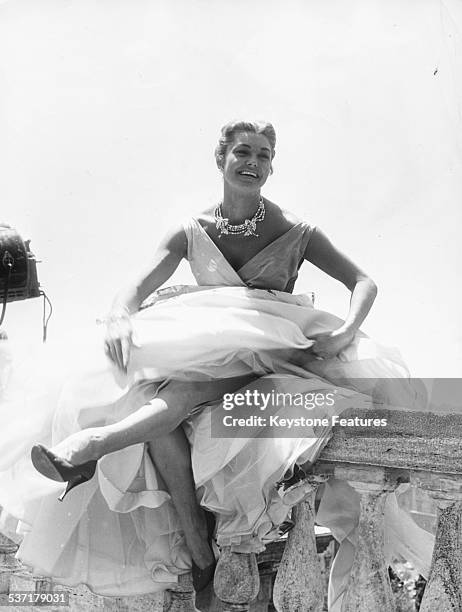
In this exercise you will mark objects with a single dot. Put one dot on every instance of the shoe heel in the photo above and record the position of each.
(87, 473)
(71, 484)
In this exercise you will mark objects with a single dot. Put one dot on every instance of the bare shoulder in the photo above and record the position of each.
(281, 217)
(175, 240)
(208, 212)
(206, 217)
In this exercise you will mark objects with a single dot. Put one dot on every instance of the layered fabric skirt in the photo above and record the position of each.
(119, 533)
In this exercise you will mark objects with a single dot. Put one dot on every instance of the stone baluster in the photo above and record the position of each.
(181, 597)
(444, 587)
(8, 562)
(299, 585)
(237, 581)
(369, 585)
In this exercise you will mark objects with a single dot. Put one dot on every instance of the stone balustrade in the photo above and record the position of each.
(423, 449)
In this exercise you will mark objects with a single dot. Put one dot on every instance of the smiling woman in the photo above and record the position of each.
(116, 432)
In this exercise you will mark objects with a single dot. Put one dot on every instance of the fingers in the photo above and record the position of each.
(118, 351)
(125, 345)
(111, 352)
(119, 355)
(322, 346)
(329, 345)
(320, 352)
(118, 341)
(308, 357)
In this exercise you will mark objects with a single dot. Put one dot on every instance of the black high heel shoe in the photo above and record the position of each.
(203, 577)
(50, 465)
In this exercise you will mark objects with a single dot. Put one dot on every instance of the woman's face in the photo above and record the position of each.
(247, 163)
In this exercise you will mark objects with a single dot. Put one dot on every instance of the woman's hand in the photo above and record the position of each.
(329, 344)
(118, 340)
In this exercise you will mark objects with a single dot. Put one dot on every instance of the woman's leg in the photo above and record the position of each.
(156, 418)
(171, 454)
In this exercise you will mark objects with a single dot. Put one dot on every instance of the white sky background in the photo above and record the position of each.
(110, 111)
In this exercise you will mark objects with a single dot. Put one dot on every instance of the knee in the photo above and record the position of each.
(177, 395)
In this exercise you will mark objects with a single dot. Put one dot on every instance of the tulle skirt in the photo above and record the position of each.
(119, 533)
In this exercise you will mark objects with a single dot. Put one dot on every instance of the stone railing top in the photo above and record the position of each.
(422, 441)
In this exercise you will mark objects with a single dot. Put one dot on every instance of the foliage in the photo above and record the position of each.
(407, 585)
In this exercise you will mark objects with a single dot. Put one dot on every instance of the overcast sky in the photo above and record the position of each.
(110, 111)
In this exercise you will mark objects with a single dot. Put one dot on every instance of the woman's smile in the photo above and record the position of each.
(248, 173)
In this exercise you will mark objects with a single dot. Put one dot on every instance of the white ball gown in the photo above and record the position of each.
(119, 533)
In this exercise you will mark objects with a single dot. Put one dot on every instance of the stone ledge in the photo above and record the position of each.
(411, 441)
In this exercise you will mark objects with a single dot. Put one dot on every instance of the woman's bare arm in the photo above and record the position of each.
(171, 250)
(325, 256)
(167, 257)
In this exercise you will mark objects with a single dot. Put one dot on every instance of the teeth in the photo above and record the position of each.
(246, 173)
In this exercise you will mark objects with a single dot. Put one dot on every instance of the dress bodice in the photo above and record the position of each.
(274, 267)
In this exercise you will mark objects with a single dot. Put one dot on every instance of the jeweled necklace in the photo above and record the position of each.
(248, 228)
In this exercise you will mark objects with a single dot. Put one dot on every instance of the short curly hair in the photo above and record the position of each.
(232, 128)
